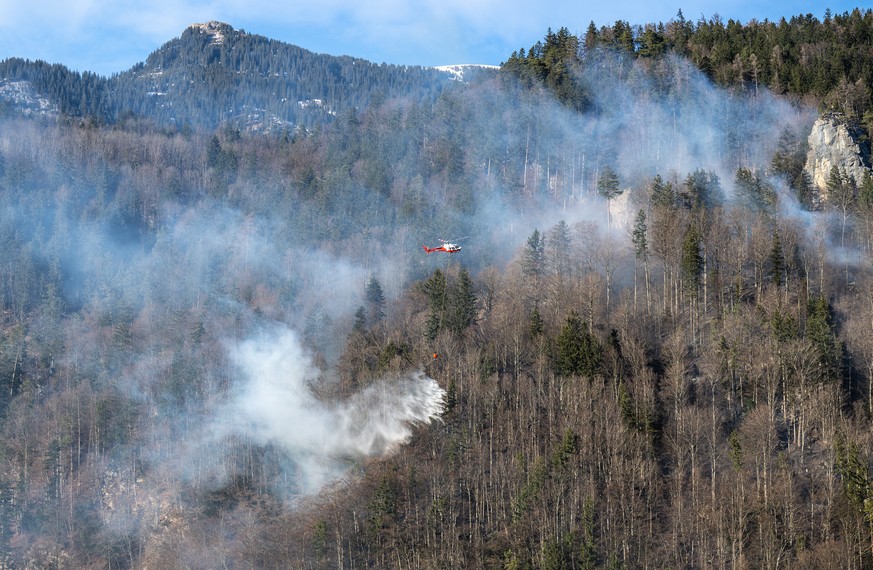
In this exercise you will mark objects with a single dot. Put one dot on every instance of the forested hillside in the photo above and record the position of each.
(826, 62)
(213, 75)
(226, 348)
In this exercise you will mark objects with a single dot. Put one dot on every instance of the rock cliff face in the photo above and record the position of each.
(836, 141)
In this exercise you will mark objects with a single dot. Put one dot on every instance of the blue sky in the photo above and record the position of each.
(106, 36)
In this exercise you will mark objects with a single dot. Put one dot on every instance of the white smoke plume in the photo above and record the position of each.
(276, 406)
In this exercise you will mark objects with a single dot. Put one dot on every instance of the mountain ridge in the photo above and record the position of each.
(213, 74)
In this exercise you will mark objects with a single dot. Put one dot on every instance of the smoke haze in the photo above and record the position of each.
(275, 405)
(208, 320)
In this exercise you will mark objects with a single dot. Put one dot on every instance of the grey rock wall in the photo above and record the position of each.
(836, 141)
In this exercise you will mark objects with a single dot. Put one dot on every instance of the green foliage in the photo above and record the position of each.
(360, 324)
(577, 352)
(692, 259)
(855, 475)
(552, 64)
(820, 330)
(640, 420)
(783, 326)
(789, 161)
(592, 37)
(434, 289)
(535, 326)
(7, 516)
(588, 540)
(317, 327)
(626, 406)
(383, 503)
(867, 123)
(214, 152)
(568, 447)
(487, 366)
(453, 305)
(461, 312)
(375, 299)
(512, 561)
(392, 352)
(735, 451)
(754, 191)
(639, 237)
(535, 481)
(652, 42)
(663, 195)
(701, 189)
(775, 54)
(777, 261)
(374, 293)
(533, 261)
(558, 248)
(319, 539)
(608, 184)
(623, 37)
(542, 469)
(198, 331)
(116, 418)
(451, 396)
(562, 554)
(223, 161)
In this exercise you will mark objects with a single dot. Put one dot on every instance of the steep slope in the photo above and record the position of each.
(835, 141)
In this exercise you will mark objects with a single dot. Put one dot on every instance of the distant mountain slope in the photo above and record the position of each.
(461, 72)
(213, 74)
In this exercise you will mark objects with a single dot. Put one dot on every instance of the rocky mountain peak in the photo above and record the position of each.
(217, 30)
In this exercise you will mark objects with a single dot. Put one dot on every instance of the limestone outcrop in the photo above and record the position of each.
(836, 141)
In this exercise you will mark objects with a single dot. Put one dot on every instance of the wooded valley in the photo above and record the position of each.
(654, 349)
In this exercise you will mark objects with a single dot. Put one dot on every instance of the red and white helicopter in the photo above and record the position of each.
(447, 246)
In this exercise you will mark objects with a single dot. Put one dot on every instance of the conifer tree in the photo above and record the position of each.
(777, 261)
(640, 241)
(462, 304)
(609, 187)
(533, 257)
(662, 194)
(559, 249)
(376, 299)
(435, 291)
(754, 191)
(592, 37)
(578, 352)
(535, 323)
(692, 260)
(360, 320)
(820, 331)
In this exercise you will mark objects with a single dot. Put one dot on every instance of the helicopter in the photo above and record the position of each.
(447, 246)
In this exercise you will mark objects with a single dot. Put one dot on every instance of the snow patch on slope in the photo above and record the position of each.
(22, 96)
(457, 71)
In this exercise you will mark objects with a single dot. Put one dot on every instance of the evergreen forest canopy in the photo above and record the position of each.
(827, 62)
(220, 348)
(214, 75)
